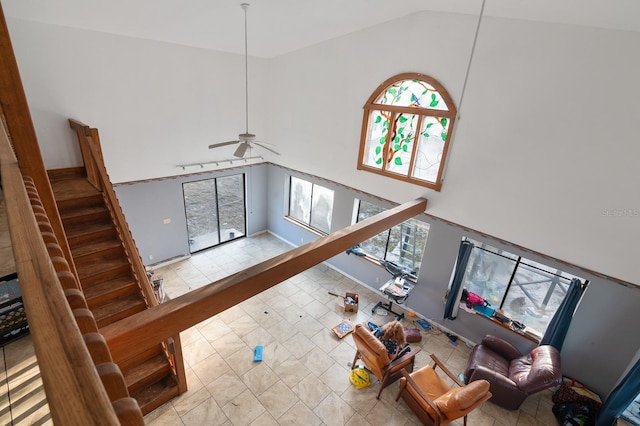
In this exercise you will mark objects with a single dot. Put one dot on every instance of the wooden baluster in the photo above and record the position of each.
(75, 298)
(128, 412)
(68, 280)
(97, 348)
(85, 320)
(113, 380)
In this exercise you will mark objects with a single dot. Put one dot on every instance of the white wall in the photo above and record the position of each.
(546, 141)
(543, 150)
(156, 105)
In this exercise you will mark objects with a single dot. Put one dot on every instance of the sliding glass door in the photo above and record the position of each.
(215, 211)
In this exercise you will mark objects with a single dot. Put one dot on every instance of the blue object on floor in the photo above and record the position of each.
(257, 353)
(424, 324)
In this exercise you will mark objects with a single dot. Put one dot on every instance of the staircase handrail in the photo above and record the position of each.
(74, 391)
(89, 141)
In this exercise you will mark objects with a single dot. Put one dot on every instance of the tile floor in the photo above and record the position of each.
(303, 379)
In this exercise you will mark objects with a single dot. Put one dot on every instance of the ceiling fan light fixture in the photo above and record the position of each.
(242, 148)
(246, 139)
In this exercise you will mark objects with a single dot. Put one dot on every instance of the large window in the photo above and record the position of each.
(403, 244)
(526, 291)
(406, 130)
(310, 204)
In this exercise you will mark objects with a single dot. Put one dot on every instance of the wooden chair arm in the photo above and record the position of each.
(416, 388)
(438, 363)
(405, 357)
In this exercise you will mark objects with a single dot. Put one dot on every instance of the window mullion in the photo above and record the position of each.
(513, 274)
(416, 141)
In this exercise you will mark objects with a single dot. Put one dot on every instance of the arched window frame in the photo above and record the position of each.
(387, 154)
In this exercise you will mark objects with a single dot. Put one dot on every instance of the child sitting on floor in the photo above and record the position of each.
(392, 336)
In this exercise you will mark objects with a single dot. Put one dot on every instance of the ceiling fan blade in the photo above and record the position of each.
(242, 148)
(216, 145)
(264, 145)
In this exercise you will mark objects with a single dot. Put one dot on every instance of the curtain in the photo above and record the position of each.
(621, 397)
(451, 307)
(559, 325)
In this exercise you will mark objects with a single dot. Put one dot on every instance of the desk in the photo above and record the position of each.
(396, 290)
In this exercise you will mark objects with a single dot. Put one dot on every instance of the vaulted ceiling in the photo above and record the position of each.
(280, 26)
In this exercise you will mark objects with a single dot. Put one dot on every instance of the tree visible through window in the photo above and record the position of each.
(406, 130)
(403, 244)
(310, 204)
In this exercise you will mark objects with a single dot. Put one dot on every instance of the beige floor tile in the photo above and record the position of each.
(259, 379)
(226, 387)
(311, 390)
(189, 400)
(299, 345)
(275, 353)
(210, 368)
(206, 413)
(337, 378)
(265, 419)
(165, 415)
(299, 414)
(243, 325)
(343, 353)
(197, 351)
(309, 326)
(317, 361)
(333, 410)
(258, 336)
(358, 420)
(278, 399)
(292, 314)
(291, 371)
(229, 344)
(242, 361)
(243, 409)
(362, 400)
(383, 413)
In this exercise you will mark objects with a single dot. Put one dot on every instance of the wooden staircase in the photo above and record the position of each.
(107, 280)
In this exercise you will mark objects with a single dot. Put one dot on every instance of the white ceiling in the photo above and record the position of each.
(280, 26)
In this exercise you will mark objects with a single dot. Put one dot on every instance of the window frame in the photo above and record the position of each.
(450, 114)
(519, 263)
(303, 223)
(372, 257)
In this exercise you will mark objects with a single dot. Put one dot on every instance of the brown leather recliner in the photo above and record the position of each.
(513, 376)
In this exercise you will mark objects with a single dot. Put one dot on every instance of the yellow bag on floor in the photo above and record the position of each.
(359, 377)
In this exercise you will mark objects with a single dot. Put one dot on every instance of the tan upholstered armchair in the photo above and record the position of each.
(374, 356)
(434, 401)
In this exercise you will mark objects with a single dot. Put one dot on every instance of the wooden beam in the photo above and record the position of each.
(153, 325)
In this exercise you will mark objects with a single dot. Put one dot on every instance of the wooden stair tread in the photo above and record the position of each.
(119, 308)
(156, 365)
(88, 228)
(151, 397)
(116, 285)
(81, 211)
(98, 266)
(95, 247)
(72, 188)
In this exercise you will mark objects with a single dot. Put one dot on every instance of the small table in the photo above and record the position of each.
(397, 290)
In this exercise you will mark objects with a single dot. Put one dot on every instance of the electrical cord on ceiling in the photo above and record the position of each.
(466, 78)
(473, 49)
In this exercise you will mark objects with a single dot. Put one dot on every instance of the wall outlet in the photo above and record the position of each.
(150, 257)
(166, 221)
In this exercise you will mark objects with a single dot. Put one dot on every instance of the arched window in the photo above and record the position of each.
(406, 130)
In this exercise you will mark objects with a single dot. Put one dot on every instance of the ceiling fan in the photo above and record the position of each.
(245, 140)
